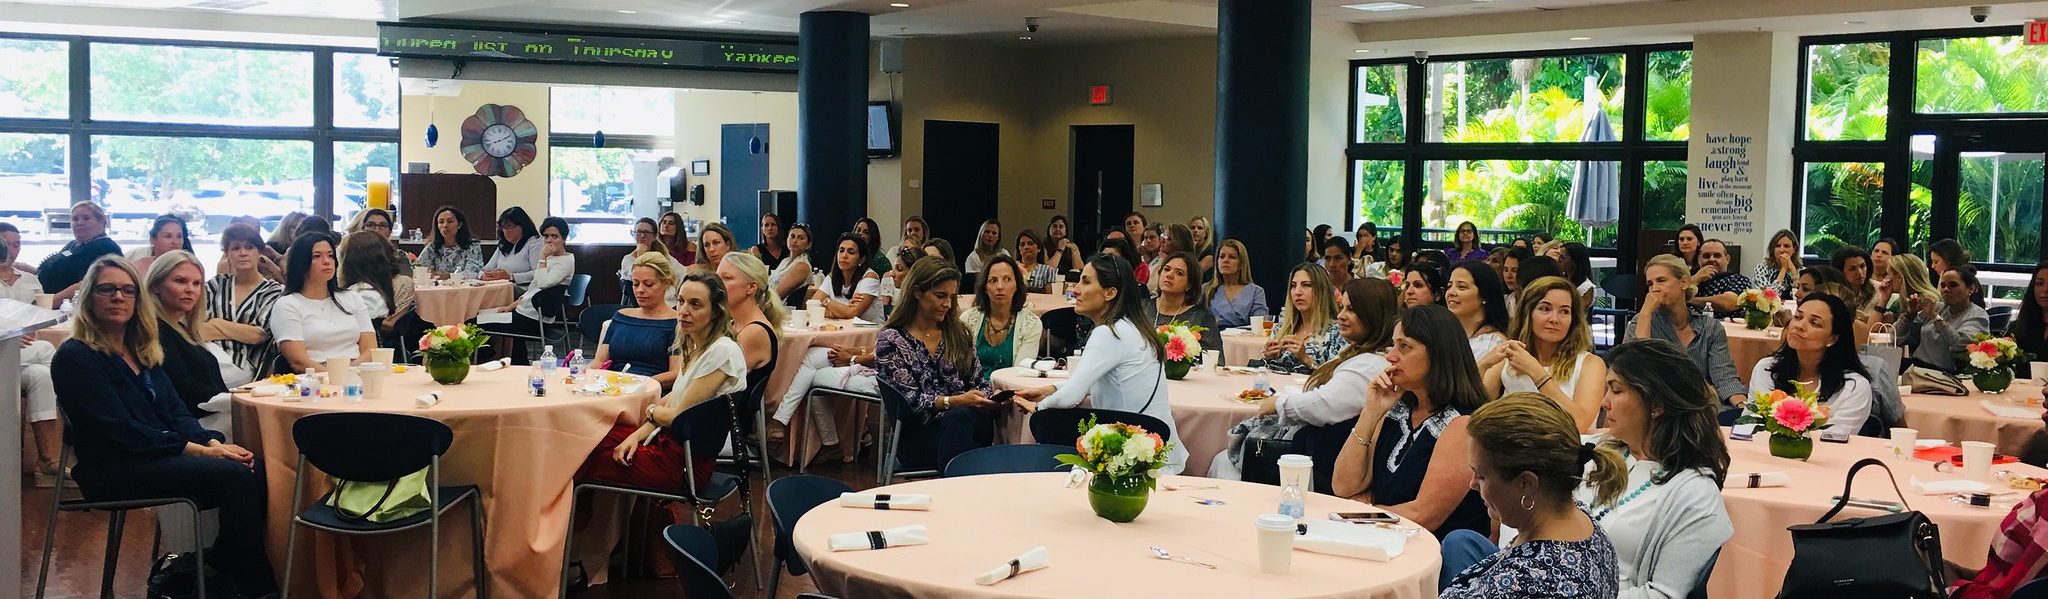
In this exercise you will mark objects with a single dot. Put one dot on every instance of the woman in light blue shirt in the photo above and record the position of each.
(1233, 298)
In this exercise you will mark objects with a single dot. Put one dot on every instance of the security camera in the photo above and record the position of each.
(1980, 13)
(1031, 24)
(1421, 57)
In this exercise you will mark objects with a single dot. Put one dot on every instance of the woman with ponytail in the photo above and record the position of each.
(1527, 462)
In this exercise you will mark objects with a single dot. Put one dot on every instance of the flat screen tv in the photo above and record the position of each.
(882, 130)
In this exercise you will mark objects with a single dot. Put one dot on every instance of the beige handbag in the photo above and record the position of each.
(1929, 381)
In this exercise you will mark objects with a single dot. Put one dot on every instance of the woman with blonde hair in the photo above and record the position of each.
(988, 243)
(1664, 315)
(177, 286)
(641, 454)
(757, 313)
(1527, 461)
(1203, 236)
(636, 339)
(1307, 334)
(1549, 352)
(1233, 297)
(1909, 280)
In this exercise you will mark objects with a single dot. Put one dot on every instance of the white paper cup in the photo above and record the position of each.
(816, 311)
(1904, 441)
(1977, 460)
(1296, 468)
(799, 320)
(1211, 358)
(383, 355)
(336, 366)
(46, 301)
(1276, 543)
(373, 374)
(1259, 324)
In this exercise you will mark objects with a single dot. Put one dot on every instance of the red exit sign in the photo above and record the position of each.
(2037, 33)
(1098, 95)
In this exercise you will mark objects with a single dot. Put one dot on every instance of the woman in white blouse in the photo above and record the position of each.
(794, 273)
(554, 267)
(1120, 367)
(311, 325)
(852, 289)
(1819, 354)
(1477, 297)
(1336, 391)
(518, 252)
(1549, 352)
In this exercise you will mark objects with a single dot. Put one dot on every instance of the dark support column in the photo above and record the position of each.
(1262, 133)
(831, 117)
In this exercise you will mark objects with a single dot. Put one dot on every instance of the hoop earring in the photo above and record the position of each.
(1528, 505)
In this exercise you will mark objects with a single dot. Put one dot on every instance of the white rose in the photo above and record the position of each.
(1983, 361)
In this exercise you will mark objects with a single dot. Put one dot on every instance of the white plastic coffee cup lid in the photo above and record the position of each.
(1276, 522)
(1295, 460)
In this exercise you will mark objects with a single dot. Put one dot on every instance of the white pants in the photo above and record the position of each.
(818, 371)
(37, 393)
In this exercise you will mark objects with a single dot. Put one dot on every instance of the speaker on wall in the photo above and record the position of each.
(892, 56)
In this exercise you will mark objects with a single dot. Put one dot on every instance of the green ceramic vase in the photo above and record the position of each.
(447, 371)
(1792, 448)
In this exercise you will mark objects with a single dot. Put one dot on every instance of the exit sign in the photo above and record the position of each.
(1098, 95)
(2037, 33)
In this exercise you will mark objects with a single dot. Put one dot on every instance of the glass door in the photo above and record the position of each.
(1986, 189)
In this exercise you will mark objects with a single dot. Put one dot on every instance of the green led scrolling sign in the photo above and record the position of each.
(416, 41)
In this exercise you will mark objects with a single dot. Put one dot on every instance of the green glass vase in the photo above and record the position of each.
(1792, 448)
(447, 371)
(1756, 320)
(1177, 370)
(1119, 498)
(1995, 380)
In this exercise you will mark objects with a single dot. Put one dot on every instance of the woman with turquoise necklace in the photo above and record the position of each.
(1005, 334)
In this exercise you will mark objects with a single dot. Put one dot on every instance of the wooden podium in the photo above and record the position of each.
(423, 194)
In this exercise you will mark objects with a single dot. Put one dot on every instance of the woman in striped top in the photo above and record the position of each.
(239, 302)
(1031, 260)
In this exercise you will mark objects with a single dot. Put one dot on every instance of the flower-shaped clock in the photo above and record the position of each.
(498, 140)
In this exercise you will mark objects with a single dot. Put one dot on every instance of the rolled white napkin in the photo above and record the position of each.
(1362, 541)
(1755, 480)
(266, 390)
(887, 501)
(1034, 559)
(1927, 443)
(428, 400)
(494, 364)
(2004, 410)
(879, 539)
(1945, 487)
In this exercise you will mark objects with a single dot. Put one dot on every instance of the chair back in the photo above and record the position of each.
(893, 404)
(1060, 330)
(697, 552)
(789, 498)
(1003, 459)
(2034, 589)
(1699, 589)
(579, 290)
(593, 319)
(1621, 285)
(370, 447)
(2000, 317)
(552, 302)
(1062, 426)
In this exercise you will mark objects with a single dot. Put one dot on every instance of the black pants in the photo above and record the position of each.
(520, 325)
(953, 433)
(237, 491)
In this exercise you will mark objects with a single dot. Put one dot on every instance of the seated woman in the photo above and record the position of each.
(851, 289)
(1479, 300)
(1527, 461)
(1037, 276)
(1423, 284)
(757, 313)
(1233, 297)
(311, 325)
(553, 267)
(2029, 328)
(1180, 298)
(39, 398)
(871, 233)
(166, 234)
(239, 302)
(646, 242)
(518, 252)
(1551, 353)
(987, 245)
(176, 286)
(714, 241)
(1937, 328)
(1665, 315)
(1408, 447)
(925, 355)
(1780, 269)
(386, 296)
(135, 439)
(1819, 354)
(1005, 334)
(1306, 335)
(637, 340)
(673, 234)
(1121, 367)
(791, 278)
(451, 250)
(1336, 391)
(648, 454)
(61, 272)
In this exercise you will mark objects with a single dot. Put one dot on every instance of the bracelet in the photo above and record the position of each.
(1361, 440)
(946, 403)
(1546, 381)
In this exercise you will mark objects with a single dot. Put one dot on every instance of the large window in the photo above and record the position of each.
(206, 130)
(1521, 144)
(596, 135)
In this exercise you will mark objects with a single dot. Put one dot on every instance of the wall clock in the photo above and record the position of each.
(498, 140)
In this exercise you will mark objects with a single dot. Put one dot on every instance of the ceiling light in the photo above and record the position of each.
(629, 12)
(1581, 39)
(1024, 37)
(1381, 6)
(900, 4)
(1361, 51)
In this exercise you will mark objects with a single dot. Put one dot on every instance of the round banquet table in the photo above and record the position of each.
(455, 304)
(1746, 346)
(1753, 562)
(1204, 405)
(1966, 418)
(1241, 348)
(791, 345)
(56, 335)
(521, 451)
(1089, 554)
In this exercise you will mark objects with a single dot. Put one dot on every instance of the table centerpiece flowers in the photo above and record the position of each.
(1757, 307)
(448, 350)
(1183, 343)
(1788, 417)
(1989, 361)
(1123, 461)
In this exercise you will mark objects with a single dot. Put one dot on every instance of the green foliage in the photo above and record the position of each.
(36, 81)
(1846, 91)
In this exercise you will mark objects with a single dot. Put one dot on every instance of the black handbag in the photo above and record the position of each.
(1880, 557)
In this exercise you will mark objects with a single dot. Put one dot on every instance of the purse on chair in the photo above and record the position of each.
(1879, 557)
(1929, 381)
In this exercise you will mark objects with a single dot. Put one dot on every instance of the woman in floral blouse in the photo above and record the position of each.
(926, 356)
(1526, 461)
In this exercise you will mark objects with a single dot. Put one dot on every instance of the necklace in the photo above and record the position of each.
(1603, 512)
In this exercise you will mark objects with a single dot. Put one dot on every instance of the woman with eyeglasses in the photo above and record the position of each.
(518, 250)
(166, 234)
(1465, 244)
(63, 270)
(451, 250)
(676, 237)
(311, 325)
(379, 222)
(646, 241)
(134, 439)
(555, 268)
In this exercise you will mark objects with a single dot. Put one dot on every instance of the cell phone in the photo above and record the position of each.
(1830, 437)
(1742, 432)
(1004, 396)
(1366, 517)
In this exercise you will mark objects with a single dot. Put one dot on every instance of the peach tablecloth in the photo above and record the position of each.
(1204, 404)
(1092, 557)
(455, 304)
(1754, 561)
(1240, 349)
(791, 345)
(522, 451)
(56, 335)
(1037, 303)
(1964, 418)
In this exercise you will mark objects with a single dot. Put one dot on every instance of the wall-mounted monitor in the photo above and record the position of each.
(882, 130)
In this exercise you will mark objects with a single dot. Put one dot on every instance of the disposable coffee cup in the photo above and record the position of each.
(336, 367)
(1295, 469)
(383, 355)
(1276, 543)
(816, 311)
(372, 374)
(46, 301)
(1211, 358)
(799, 320)
(1259, 324)
(1904, 441)
(1977, 460)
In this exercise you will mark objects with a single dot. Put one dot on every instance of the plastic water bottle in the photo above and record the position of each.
(1292, 504)
(352, 386)
(576, 364)
(548, 361)
(309, 386)
(536, 381)
(1260, 383)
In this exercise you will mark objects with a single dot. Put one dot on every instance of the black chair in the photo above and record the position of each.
(1061, 332)
(896, 414)
(117, 520)
(1003, 459)
(881, 429)
(366, 447)
(1699, 589)
(2001, 316)
(788, 500)
(2034, 589)
(591, 324)
(1062, 426)
(1614, 319)
(1621, 286)
(579, 292)
(697, 551)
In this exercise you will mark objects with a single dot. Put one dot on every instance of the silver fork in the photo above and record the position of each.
(1161, 553)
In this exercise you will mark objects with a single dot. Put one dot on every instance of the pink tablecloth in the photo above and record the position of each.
(792, 344)
(1965, 418)
(1754, 561)
(1241, 349)
(979, 522)
(1204, 404)
(455, 304)
(521, 450)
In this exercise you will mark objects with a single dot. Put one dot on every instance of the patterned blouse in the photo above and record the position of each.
(465, 258)
(1767, 275)
(254, 311)
(1040, 277)
(903, 363)
(1542, 569)
(1320, 347)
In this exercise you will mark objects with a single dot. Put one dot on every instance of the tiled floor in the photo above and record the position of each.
(81, 542)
